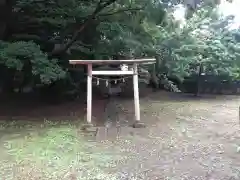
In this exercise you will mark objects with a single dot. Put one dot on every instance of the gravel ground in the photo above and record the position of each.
(186, 138)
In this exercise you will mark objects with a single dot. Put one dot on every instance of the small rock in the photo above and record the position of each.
(183, 130)
(238, 149)
(91, 129)
(86, 126)
(139, 125)
(220, 152)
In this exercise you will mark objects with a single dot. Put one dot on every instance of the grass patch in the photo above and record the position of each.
(51, 151)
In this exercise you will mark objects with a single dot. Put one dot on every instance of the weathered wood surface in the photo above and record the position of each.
(96, 62)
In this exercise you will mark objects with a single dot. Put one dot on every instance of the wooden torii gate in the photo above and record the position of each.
(133, 72)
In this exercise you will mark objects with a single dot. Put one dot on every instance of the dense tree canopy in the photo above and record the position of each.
(38, 37)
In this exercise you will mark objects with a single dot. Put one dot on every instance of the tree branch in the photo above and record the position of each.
(120, 11)
(98, 9)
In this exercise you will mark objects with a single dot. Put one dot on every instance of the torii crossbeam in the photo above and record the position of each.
(133, 72)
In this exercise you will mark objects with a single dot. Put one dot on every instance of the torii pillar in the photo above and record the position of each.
(133, 72)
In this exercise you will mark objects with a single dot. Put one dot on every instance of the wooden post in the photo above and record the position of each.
(136, 93)
(124, 71)
(89, 94)
(239, 114)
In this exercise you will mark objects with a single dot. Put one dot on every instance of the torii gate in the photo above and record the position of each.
(133, 72)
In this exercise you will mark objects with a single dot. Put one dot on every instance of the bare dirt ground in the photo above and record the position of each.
(186, 138)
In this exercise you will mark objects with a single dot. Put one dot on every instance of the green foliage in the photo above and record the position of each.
(123, 29)
(205, 40)
(131, 33)
(19, 54)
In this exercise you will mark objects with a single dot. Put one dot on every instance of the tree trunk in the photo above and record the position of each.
(199, 79)
(5, 17)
